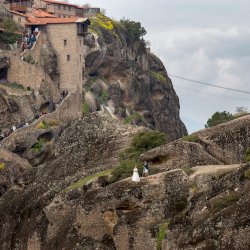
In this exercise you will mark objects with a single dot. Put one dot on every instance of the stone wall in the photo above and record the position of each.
(62, 10)
(69, 49)
(29, 75)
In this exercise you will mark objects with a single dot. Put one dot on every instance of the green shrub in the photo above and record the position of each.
(85, 108)
(158, 76)
(161, 234)
(147, 140)
(191, 138)
(129, 158)
(29, 59)
(134, 118)
(37, 147)
(218, 118)
(247, 157)
(134, 29)
(42, 125)
(2, 166)
(221, 202)
(103, 98)
(247, 174)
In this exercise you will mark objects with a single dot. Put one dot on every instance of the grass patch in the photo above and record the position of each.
(188, 170)
(134, 118)
(42, 125)
(247, 157)
(15, 85)
(2, 166)
(247, 174)
(191, 138)
(53, 123)
(221, 202)
(129, 158)
(158, 76)
(194, 188)
(29, 59)
(37, 147)
(85, 108)
(87, 179)
(103, 98)
(161, 234)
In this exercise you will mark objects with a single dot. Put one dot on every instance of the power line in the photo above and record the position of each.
(205, 93)
(209, 84)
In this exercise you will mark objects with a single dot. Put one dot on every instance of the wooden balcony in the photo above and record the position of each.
(18, 7)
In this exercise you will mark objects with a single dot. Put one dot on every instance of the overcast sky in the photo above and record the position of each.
(204, 40)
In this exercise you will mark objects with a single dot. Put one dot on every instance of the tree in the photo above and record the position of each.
(241, 111)
(135, 30)
(9, 25)
(218, 118)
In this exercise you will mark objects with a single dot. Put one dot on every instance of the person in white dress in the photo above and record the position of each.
(135, 176)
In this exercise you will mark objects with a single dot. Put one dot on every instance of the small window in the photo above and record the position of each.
(65, 42)
(64, 7)
(80, 42)
(69, 8)
(59, 6)
(80, 58)
(68, 57)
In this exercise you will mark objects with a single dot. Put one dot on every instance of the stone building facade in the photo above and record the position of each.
(68, 45)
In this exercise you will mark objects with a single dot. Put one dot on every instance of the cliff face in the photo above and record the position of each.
(135, 80)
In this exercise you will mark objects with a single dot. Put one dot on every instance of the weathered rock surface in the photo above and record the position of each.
(136, 81)
(11, 168)
(223, 144)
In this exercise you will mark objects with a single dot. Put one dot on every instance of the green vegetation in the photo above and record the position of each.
(53, 123)
(37, 147)
(188, 170)
(135, 30)
(87, 179)
(85, 108)
(101, 21)
(194, 188)
(221, 202)
(218, 118)
(161, 234)
(15, 85)
(9, 35)
(191, 138)
(247, 174)
(247, 157)
(29, 59)
(134, 118)
(2, 166)
(103, 98)
(42, 125)
(221, 117)
(141, 143)
(158, 76)
(9, 25)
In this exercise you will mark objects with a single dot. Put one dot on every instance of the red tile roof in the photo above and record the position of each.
(17, 13)
(54, 20)
(40, 14)
(63, 3)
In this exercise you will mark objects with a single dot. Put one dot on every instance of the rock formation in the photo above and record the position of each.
(135, 81)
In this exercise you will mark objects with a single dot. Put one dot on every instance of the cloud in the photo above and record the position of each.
(204, 40)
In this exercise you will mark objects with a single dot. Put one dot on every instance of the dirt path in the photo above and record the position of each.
(213, 169)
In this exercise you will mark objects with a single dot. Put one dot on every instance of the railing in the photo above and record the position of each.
(18, 7)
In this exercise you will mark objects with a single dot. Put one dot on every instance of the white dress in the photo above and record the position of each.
(135, 176)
